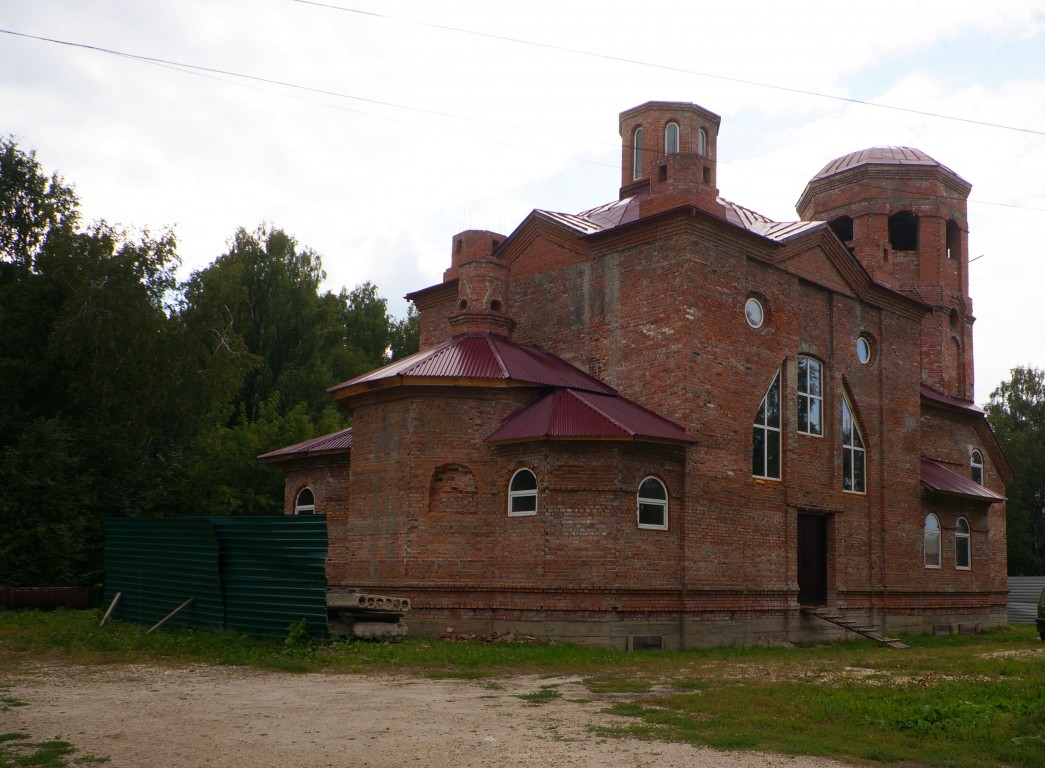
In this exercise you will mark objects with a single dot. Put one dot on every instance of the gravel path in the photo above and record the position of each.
(156, 717)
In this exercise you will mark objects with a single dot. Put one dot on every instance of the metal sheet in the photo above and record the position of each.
(273, 573)
(159, 564)
(335, 442)
(567, 414)
(256, 575)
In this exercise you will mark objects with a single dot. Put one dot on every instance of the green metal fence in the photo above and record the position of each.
(257, 575)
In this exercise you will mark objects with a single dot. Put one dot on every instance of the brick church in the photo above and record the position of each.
(670, 421)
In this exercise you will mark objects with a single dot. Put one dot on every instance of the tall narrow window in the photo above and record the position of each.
(962, 550)
(765, 438)
(810, 397)
(671, 139)
(932, 541)
(702, 142)
(636, 154)
(522, 493)
(853, 473)
(305, 503)
(976, 467)
(653, 504)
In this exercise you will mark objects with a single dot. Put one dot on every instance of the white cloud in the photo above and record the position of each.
(379, 190)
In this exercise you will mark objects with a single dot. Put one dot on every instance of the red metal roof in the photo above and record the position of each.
(565, 414)
(938, 478)
(482, 356)
(335, 442)
(939, 397)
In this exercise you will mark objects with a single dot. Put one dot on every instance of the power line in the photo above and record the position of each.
(229, 73)
(669, 68)
(213, 73)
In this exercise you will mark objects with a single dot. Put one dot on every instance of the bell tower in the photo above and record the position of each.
(905, 218)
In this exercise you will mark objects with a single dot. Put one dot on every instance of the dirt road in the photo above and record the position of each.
(153, 717)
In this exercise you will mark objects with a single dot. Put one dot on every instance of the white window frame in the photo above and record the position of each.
(305, 509)
(813, 401)
(672, 147)
(927, 536)
(962, 539)
(636, 154)
(702, 142)
(976, 467)
(526, 493)
(852, 450)
(650, 501)
(769, 432)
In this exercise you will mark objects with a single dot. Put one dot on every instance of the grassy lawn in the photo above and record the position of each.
(967, 701)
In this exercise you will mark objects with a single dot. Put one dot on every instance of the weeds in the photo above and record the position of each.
(542, 695)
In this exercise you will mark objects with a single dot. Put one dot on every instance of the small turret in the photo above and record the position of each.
(669, 154)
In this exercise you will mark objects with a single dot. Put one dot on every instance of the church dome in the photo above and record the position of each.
(877, 156)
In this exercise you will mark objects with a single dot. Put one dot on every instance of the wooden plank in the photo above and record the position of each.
(170, 616)
(112, 607)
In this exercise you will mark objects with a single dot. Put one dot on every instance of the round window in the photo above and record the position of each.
(863, 350)
(754, 313)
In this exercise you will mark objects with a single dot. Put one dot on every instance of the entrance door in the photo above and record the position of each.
(812, 559)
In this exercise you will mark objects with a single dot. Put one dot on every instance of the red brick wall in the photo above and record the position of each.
(327, 476)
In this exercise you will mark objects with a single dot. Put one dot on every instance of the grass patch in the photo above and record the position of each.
(16, 751)
(966, 722)
(616, 684)
(542, 695)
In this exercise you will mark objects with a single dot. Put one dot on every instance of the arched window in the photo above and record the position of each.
(636, 154)
(671, 139)
(702, 142)
(305, 503)
(976, 467)
(810, 397)
(765, 438)
(962, 548)
(522, 493)
(853, 454)
(932, 541)
(653, 504)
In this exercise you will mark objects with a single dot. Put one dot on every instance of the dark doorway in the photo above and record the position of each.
(812, 559)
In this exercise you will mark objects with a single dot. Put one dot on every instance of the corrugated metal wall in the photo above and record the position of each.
(273, 574)
(158, 565)
(1023, 598)
(256, 575)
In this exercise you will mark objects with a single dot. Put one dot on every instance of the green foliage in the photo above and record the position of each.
(405, 335)
(31, 204)
(1016, 411)
(43, 469)
(125, 393)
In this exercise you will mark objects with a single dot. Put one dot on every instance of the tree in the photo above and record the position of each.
(31, 204)
(261, 301)
(1016, 411)
(405, 335)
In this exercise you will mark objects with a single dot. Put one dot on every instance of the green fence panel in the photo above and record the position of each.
(273, 573)
(159, 564)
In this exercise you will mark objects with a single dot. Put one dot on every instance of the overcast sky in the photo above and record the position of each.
(413, 120)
